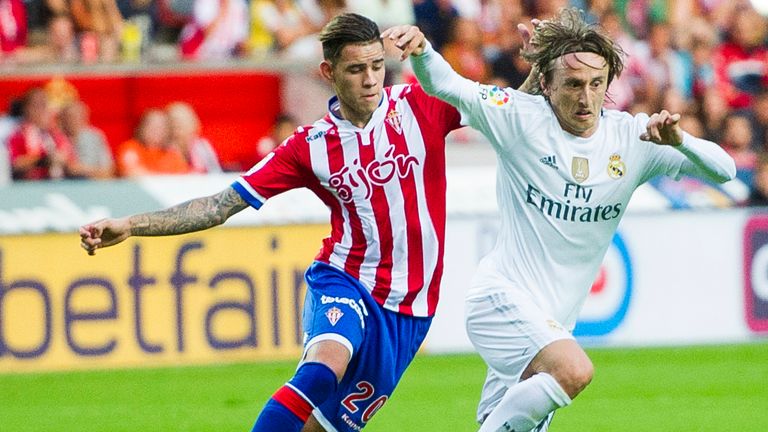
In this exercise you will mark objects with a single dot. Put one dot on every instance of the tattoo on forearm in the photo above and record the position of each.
(194, 215)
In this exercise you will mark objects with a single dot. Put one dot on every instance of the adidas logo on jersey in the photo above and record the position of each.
(549, 161)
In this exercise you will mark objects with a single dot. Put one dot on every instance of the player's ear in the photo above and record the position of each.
(326, 70)
(543, 85)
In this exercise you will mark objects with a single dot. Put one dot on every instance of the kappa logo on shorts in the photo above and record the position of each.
(334, 314)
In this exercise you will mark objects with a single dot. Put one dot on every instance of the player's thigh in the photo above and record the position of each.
(509, 332)
(333, 319)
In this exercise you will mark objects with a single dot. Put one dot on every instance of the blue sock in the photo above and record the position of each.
(292, 404)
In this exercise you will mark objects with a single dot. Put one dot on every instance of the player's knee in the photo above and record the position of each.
(576, 376)
(333, 354)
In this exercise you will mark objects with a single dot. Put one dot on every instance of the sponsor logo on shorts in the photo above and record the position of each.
(334, 314)
(350, 422)
(356, 305)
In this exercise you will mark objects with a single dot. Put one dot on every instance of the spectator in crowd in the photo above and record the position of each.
(94, 158)
(758, 194)
(714, 110)
(668, 69)
(320, 12)
(101, 20)
(741, 61)
(546, 9)
(171, 15)
(62, 42)
(492, 18)
(631, 86)
(284, 126)
(701, 47)
(151, 151)
(509, 69)
(185, 135)
(385, 13)
(464, 50)
(8, 124)
(737, 142)
(692, 125)
(13, 28)
(281, 26)
(38, 150)
(132, 8)
(760, 120)
(218, 30)
(435, 18)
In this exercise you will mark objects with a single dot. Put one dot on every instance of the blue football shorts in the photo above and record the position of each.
(383, 343)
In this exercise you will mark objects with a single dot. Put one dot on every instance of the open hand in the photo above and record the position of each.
(407, 38)
(526, 35)
(663, 128)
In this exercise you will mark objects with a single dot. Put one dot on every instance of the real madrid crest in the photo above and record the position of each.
(580, 169)
(616, 167)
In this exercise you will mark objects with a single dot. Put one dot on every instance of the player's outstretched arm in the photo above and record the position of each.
(435, 75)
(706, 159)
(190, 216)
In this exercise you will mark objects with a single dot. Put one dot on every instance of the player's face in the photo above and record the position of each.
(357, 79)
(577, 91)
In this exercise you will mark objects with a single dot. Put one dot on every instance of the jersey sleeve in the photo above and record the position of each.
(487, 108)
(438, 113)
(695, 157)
(282, 170)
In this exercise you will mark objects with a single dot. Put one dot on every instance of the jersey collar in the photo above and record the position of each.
(334, 113)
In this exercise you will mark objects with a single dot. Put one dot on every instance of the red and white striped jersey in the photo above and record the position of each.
(385, 186)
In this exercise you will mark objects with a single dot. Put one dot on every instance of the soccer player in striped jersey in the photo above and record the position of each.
(377, 160)
(567, 168)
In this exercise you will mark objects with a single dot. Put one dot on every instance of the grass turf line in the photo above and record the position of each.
(692, 389)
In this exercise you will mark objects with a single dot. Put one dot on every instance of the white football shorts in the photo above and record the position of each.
(507, 332)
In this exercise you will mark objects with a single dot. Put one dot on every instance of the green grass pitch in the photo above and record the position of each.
(693, 389)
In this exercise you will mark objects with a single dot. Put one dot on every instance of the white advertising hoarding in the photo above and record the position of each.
(670, 277)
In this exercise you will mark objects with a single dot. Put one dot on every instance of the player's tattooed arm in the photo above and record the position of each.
(193, 215)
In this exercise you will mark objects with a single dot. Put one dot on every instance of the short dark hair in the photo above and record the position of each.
(345, 29)
(569, 33)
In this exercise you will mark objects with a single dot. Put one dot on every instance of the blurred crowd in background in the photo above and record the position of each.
(706, 59)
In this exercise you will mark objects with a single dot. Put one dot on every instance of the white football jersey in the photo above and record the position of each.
(560, 196)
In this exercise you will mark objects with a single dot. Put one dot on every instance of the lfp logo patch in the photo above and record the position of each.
(494, 95)
(609, 299)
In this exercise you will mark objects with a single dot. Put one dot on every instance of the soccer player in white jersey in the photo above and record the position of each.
(377, 160)
(566, 170)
